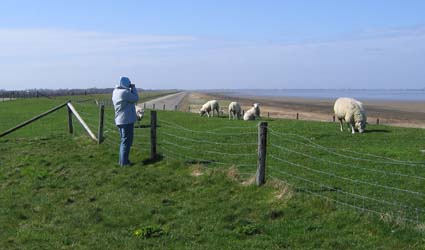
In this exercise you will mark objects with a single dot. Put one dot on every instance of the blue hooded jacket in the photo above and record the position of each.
(124, 98)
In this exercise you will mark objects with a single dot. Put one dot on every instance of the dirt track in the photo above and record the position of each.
(170, 101)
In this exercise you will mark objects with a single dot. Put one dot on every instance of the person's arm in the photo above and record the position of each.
(131, 95)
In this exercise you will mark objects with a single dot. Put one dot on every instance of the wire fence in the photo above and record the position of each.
(366, 182)
(222, 146)
(390, 188)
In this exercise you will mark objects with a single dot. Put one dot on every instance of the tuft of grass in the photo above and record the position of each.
(149, 232)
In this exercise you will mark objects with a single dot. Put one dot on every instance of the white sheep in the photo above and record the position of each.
(252, 113)
(140, 112)
(234, 110)
(352, 112)
(208, 107)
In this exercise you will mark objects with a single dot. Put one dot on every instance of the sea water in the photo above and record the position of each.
(360, 94)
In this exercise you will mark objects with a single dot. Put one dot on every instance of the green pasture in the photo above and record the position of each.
(324, 189)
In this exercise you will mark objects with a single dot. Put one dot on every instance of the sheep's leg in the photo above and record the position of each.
(352, 129)
(341, 125)
(230, 114)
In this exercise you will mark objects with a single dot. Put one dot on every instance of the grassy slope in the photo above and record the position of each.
(60, 191)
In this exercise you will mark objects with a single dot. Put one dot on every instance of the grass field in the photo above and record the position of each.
(325, 189)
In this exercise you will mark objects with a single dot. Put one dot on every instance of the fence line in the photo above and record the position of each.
(346, 165)
(314, 145)
(179, 127)
(393, 203)
(336, 201)
(208, 142)
(174, 142)
(346, 178)
(170, 151)
(378, 196)
(208, 151)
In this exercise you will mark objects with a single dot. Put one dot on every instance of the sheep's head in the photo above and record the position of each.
(360, 126)
(202, 112)
(257, 109)
(140, 113)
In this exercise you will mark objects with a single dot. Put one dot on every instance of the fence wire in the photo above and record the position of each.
(365, 182)
(223, 146)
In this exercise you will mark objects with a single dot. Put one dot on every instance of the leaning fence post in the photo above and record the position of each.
(70, 127)
(100, 130)
(262, 144)
(153, 135)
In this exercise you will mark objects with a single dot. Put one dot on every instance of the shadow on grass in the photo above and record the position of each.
(142, 126)
(377, 131)
(205, 162)
(150, 161)
(318, 190)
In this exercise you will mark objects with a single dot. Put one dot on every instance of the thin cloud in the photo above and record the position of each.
(87, 59)
(49, 42)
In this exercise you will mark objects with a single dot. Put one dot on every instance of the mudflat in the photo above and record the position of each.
(395, 113)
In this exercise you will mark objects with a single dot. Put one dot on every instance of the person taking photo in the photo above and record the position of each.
(124, 98)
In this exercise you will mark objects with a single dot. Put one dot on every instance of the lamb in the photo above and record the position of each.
(208, 107)
(234, 110)
(252, 113)
(352, 112)
(140, 112)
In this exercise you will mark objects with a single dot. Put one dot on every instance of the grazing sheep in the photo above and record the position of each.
(252, 113)
(140, 112)
(352, 112)
(208, 107)
(235, 110)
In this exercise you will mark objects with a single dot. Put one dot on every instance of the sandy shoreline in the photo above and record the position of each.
(395, 113)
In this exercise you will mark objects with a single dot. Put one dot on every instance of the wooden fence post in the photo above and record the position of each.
(100, 130)
(298, 116)
(163, 107)
(153, 135)
(153, 106)
(262, 144)
(175, 107)
(243, 112)
(268, 114)
(144, 105)
(83, 123)
(377, 121)
(189, 109)
(70, 126)
(333, 118)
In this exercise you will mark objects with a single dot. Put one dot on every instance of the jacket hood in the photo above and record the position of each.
(125, 82)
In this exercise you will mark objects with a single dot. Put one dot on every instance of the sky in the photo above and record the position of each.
(217, 44)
